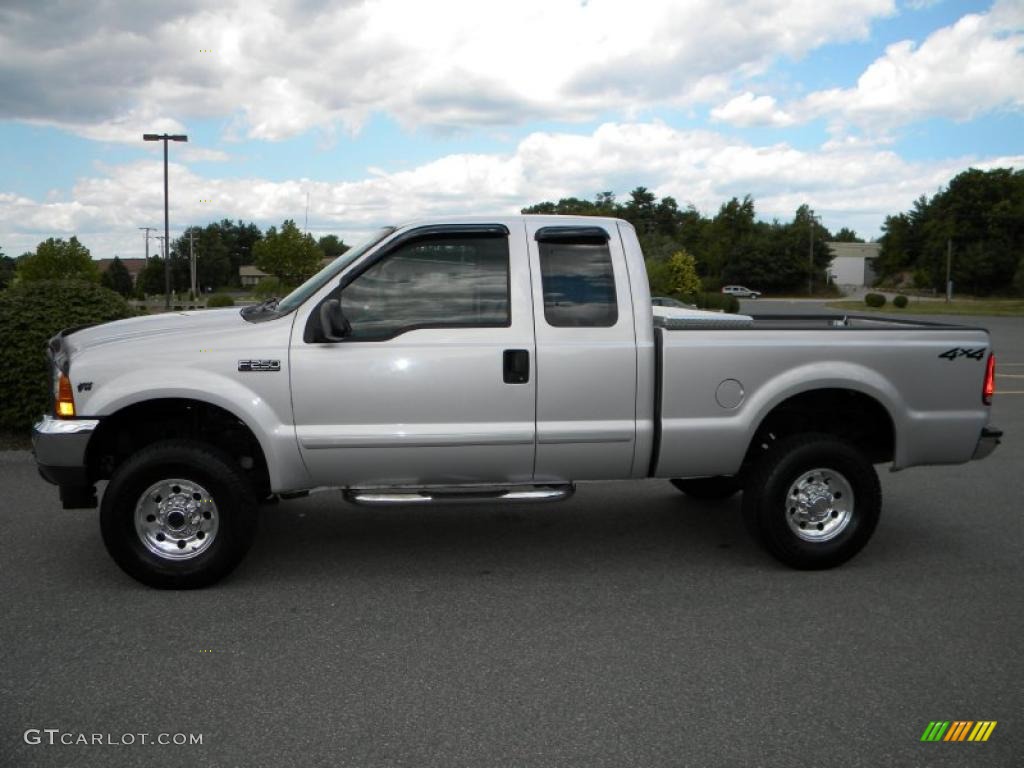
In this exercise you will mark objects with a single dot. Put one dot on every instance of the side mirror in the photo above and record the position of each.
(333, 324)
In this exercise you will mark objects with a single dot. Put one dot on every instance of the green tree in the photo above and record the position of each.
(151, 279)
(117, 278)
(898, 247)
(683, 279)
(574, 206)
(641, 210)
(289, 254)
(58, 259)
(846, 235)
(733, 246)
(213, 259)
(238, 239)
(659, 276)
(7, 266)
(980, 214)
(332, 246)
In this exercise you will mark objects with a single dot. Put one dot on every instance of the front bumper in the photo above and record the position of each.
(59, 446)
(990, 438)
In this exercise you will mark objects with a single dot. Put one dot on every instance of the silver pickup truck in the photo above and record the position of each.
(496, 360)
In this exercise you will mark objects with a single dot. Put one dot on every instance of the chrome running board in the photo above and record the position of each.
(383, 497)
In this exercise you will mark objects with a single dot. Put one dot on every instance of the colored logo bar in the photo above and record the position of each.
(958, 730)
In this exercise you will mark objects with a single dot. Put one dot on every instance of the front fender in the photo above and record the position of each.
(264, 407)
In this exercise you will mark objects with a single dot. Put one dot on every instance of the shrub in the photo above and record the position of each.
(30, 313)
(271, 286)
(900, 301)
(711, 284)
(219, 300)
(721, 301)
(875, 300)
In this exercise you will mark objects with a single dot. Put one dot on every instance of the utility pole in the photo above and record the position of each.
(949, 267)
(166, 137)
(810, 258)
(147, 231)
(192, 258)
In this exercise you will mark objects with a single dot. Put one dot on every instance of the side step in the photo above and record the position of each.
(383, 497)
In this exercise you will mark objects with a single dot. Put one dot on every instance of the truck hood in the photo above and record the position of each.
(202, 322)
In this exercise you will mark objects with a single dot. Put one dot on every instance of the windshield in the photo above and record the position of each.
(317, 281)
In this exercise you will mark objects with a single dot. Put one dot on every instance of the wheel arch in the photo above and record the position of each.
(850, 413)
(144, 422)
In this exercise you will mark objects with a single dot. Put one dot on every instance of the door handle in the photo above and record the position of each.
(516, 366)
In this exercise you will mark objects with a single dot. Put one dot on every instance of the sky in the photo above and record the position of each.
(383, 111)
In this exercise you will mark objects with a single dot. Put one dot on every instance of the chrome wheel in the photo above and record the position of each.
(819, 505)
(176, 519)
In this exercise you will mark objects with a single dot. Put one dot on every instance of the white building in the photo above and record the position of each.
(852, 264)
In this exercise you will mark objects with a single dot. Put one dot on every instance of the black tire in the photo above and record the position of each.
(234, 508)
(768, 507)
(709, 488)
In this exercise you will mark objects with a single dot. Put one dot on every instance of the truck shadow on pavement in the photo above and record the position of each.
(605, 526)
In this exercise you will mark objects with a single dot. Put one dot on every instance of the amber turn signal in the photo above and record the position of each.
(65, 398)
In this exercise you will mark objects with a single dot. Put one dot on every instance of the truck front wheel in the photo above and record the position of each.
(179, 514)
(813, 501)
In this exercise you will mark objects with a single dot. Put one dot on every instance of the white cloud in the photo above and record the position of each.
(127, 127)
(959, 72)
(748, 109)
(851, 183)
(281, 68)
(193, 154)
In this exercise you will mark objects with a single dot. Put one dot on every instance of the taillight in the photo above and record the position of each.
(989, 388)
(65, 398)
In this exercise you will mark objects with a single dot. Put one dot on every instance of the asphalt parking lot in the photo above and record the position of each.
(627, 626)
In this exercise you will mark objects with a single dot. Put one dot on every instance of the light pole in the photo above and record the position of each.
(165, 137)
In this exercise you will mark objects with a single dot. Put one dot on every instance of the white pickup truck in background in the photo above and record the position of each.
(498, 359)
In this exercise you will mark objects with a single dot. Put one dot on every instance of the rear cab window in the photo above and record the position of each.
(577, 277)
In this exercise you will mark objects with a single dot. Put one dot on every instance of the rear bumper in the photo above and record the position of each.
(990, 438)
(59, 446)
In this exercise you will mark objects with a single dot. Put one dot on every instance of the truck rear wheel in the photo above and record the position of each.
(813, 501)
(179, 514)
(709, 488)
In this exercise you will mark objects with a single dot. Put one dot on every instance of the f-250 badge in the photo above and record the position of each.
(259, 365)
(955, 352)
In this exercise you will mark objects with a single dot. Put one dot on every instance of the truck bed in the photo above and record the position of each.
(715, 386)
